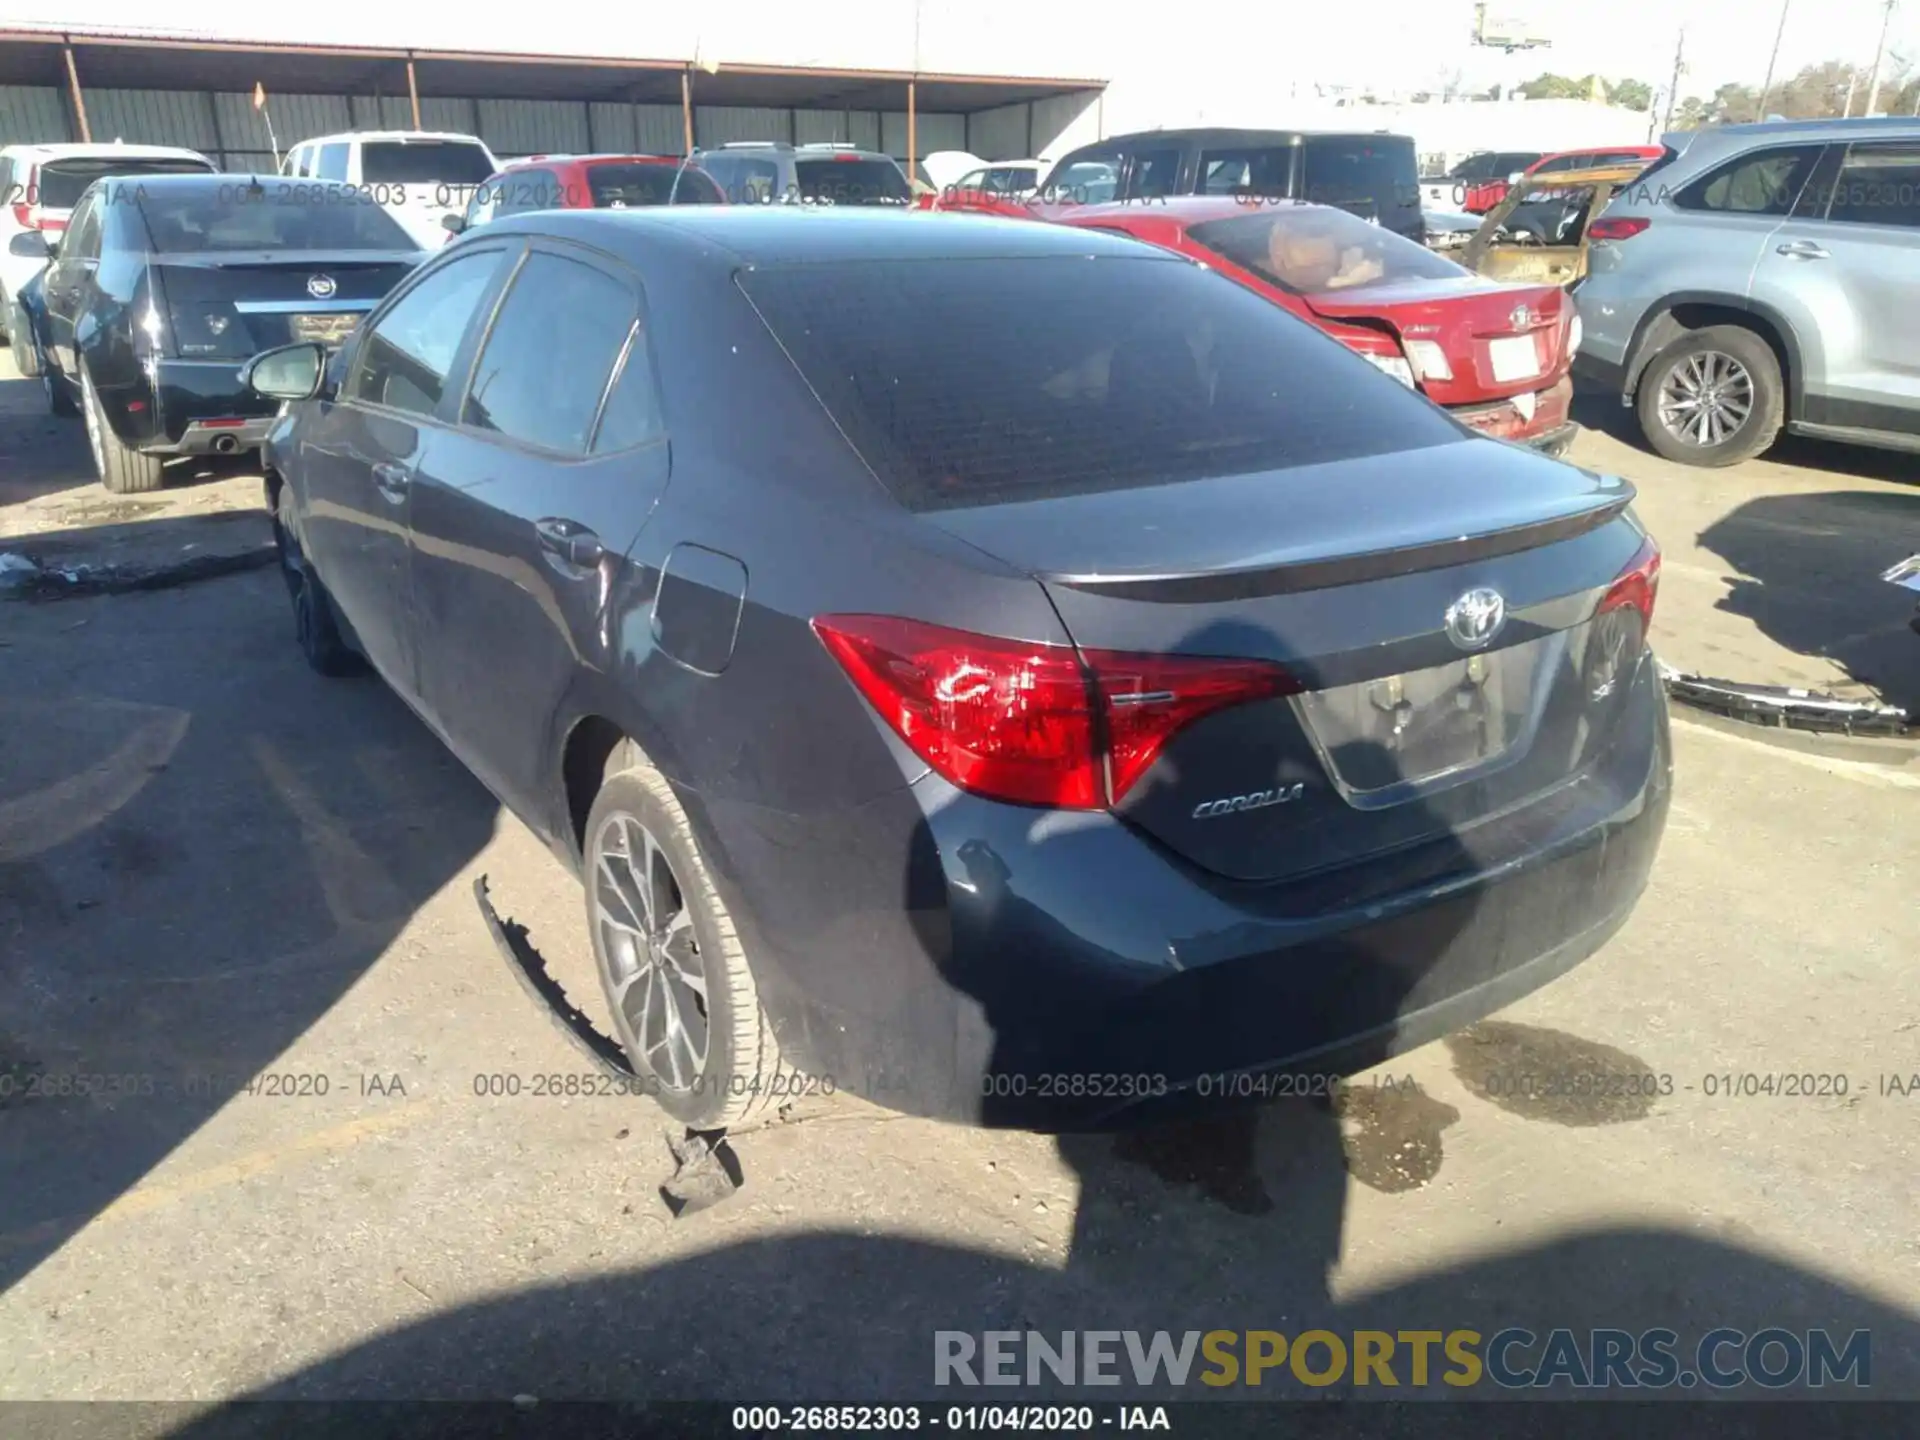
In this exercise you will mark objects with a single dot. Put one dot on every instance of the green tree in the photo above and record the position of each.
(1552, 87)
(1691, 113)
(1632, 94)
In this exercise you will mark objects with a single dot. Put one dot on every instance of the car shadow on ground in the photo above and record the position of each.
(1809, 568)
(203, 845)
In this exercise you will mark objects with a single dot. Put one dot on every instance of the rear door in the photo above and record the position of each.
(1846, 260)
(360, 454)
(1742, 203)
(523, 511)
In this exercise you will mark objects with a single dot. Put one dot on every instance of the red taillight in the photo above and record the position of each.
(23, 216)
(1638, 584)
(1034, 724)
(225, 422)
(1623, 227)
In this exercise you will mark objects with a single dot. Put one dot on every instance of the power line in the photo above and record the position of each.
(1873, 89)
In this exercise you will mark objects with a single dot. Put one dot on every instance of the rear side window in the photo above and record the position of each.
(550, 353)
(1147, 371)
(63, 182)
(332, 164)
(1153, 175)
(851, 180)
(1085, 182)
(423, 162)
(1369, 175)
(1267, 171)
(1766, 182)
(631, 415)
(1879, 185)
(1309, 250)
(404, 361)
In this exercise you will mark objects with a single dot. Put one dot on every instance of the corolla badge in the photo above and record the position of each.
(1258, 800)
(1475, 618)
(321, 287)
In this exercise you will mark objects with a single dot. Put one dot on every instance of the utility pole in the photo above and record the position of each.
(1679, 67)
(1873, 87)
(1766, 90)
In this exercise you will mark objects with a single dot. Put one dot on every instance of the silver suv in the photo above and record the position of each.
(1761, 276)
(752, 172)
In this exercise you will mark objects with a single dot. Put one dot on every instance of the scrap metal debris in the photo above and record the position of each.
(1787, 706)
(24, 578)
(705, 1171)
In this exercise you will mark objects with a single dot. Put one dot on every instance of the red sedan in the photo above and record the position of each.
(1496, 357)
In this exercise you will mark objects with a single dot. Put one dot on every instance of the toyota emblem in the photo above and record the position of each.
(1522, 317)
(320, 286)
(1475, 618)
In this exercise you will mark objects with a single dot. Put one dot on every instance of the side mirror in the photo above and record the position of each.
(290, 372)
(453, 224)
(30, 245)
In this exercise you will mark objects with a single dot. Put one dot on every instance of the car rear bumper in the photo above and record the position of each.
(944, 955)
(194, 396)
(1548, 428)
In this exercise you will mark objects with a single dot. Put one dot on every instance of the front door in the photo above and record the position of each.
(68, 285)
(1847, 263)
(524, 511)
(361, 453)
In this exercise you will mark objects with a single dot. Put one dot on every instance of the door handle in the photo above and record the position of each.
(569, 542)
(392, 481)
(1804, 250)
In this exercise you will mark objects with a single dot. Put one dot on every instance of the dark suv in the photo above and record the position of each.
(757, 172)
(1374, 175)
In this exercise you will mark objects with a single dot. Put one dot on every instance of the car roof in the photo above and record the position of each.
(1653, 150)
(1186, 209)
(747, 147)
(402, 135)
(1242, 136)
(1727, 136)
(729, 236)
(64, 150)
(541, 161)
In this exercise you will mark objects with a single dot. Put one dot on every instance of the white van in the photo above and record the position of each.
(418, 176)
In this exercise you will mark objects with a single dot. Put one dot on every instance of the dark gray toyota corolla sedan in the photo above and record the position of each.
(1000, 669)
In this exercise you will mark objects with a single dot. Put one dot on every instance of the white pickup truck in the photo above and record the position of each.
(418, 176)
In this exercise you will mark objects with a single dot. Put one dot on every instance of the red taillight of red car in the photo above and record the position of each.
(23, 216)
(1622, 227)
(1638, 585)
(1034, 724)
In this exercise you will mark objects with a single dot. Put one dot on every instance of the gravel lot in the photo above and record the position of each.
(215, 864)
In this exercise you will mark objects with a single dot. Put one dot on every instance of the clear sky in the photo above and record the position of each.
(1388, 43)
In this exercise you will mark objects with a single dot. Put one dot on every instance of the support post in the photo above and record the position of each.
(686, 106)
(913, 137)
(413, 92)
(79, 102)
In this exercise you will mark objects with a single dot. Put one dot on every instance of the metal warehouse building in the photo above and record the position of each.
(199, 93)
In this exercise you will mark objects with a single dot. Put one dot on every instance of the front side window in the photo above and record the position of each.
(1879, 185)
(405, 360)
(333, 162)
(83, 234)
(1154, 174)
(1309, 250)
(1766, 182)
(1092, 181)
(548, 357)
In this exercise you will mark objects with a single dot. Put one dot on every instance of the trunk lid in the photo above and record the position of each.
(232, 305)
(1346, 575)
(1499, 340)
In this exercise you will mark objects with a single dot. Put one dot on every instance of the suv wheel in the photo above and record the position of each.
(1714, 397)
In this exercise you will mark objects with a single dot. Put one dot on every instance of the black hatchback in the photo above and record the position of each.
(164, 284)
(1028, 724)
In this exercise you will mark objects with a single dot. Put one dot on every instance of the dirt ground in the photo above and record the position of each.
(217, 866)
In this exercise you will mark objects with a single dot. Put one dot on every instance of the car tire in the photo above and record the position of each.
(121, 468)
(1735, 368)
(316, 628)
(637, 826)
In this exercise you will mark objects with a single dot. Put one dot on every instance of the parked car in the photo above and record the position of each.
(1477, 183)
(1374, 175)
(1539, 233)
(39, 185)
(1447, 229)
(418, 176)
(1010, 180)
(1757, 277)
(756, 173)
(586, 182)
(1151, 695)
(1495, 356)
(163, 285)
(1600, 157)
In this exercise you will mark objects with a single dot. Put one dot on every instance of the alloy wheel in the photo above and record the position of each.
(1706, 399)
(655, 971)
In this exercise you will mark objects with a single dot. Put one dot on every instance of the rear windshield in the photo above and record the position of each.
(234, 217)
(851, 180)
(418, 162)
(61, 183)
(1069, 376)
(1312, 250)
(628, 186)
(1369, 175)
